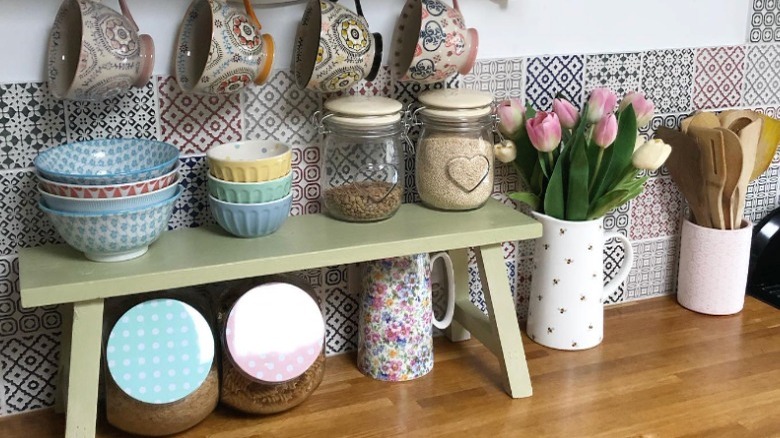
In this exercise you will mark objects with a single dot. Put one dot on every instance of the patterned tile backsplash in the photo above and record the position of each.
(679, 81)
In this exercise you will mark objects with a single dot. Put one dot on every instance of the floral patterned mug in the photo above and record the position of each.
(396, 313)
(220, 49)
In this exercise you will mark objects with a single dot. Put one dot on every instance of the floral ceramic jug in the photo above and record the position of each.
(396, 317)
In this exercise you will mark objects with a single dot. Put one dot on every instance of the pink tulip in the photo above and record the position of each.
(602, 102)
(566, 112)
(544, 130)
(510, 116)
(605, 131)
(643, 107)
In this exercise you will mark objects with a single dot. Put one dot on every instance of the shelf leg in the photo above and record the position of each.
(84, 369)
(508, 344)
(460, 262)
(61, 393)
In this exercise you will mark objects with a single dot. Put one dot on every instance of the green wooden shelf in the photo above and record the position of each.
(59, 274)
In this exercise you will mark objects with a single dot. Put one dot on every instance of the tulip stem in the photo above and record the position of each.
(596, 170)
(551, 160)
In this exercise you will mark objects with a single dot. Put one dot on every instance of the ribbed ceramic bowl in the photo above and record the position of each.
(113, 236)
(251, 220)
(250, 161)
(83, 205)
(111, 190)
(109, 161)
(250, 193)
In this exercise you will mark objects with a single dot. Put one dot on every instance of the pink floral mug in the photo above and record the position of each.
(395, 342)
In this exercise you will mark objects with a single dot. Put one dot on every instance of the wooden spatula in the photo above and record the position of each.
(684, 165)
(729, 117)
(748, 139)
(713, 170)
(700, 119)
(734, 165)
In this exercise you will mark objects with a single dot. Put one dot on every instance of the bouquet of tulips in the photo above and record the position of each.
(580, 166)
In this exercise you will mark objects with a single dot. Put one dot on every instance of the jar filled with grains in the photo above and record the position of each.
(363, 167)
(454, 165)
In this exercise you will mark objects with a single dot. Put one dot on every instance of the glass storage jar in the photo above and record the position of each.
(363, 159)
(162, 375)
(273, 338)
(454, 161)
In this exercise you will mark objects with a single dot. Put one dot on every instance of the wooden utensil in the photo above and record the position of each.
(713, 170)
(732, 150)
(728, 117)
(767, 145)
(739, 124)
(684, 164)
(700, 119)
(748, 139)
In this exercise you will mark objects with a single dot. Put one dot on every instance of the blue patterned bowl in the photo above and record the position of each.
(251, 220)
(103, 162)
(97, 205)
(113, 236)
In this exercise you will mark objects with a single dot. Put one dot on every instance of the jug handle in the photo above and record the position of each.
(126, 12)
(251, 12)
(628, 261)
(455, 4)
(447, 320)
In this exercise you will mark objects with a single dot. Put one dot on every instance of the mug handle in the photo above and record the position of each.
(628, 261)
(251, 12)
(126, 12)
(270, 45)
(447, 320)
(455, 4)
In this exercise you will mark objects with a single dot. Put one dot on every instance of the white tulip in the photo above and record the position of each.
(505, 151)
(651, 155)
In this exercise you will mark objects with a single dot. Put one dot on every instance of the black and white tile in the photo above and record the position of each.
(655, 268)
(23, 223)
(619, 219)
(764, 21)
(28, 366)
(192, 208)
(667, 79)
(280, 110)
(31, 121)
(134, 114)
(14, 319)
(762, 194)
(341, 310)
(522, 290)
(614, 258)
(548, 76)
(762, 75)
(620, 72)
(503, 78)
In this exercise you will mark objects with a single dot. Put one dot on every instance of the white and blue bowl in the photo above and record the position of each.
(109, 161)
(251, 220)
(113, 236)
(98, 205)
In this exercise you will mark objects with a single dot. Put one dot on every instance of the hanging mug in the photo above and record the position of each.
(395, 340)
(334, 48)
(96, 53)
(565, 309)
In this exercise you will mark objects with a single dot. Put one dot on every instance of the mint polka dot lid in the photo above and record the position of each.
(160, 351)
(274, 332)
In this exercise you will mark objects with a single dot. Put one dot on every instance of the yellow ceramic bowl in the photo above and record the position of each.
(250, 161)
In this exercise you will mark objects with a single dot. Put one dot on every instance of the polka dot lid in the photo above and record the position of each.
(274, 332)
(160, 351)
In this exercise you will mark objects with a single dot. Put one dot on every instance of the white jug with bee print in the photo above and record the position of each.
(566, 310)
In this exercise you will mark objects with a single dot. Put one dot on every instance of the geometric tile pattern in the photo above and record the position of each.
(31, 121)
(130, 115)
(669, 120)
(762, 75)
(503, 78)
(657, 212)
(341, 311)
(28, 367)
(655, 268)
(667, 77)
(14, 319)
(192, 208)
(306, 189)
(614, 257)
(718, 77)
(620, 72)
(619, 219)
(280, 110)
(547, 76)
(764, 21)
(762, 194)
(523, 287)
(193, 122)
(22, 223)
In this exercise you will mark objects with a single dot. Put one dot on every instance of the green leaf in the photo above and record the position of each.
(606, 203)
(618, 157)
(554, 199)
(577, 200)
(526, 158)
(530, 112)
(527, 198)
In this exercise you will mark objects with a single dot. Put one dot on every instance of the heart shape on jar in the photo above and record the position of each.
(468, 173)
(377, 181)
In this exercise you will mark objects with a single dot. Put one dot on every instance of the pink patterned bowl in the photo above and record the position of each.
(109, 191)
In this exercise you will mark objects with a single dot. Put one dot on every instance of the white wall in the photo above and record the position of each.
(507, 27)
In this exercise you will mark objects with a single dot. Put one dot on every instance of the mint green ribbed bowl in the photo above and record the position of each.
(250, 193)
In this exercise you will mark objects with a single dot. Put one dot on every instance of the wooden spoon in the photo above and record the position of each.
(713, 170)
(683, 164)
(700, 119)
(728, 117)
(748, 139)
(767, 145)
(733, 168)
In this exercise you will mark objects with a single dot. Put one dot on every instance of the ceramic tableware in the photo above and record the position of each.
(96, 53)
(220, 49)
(108, 161)
(109, 191)
(250, 193)
(396, 316)
(334, 48)
(251, 220)
(250, 161)
(431, 42)
(83, 205)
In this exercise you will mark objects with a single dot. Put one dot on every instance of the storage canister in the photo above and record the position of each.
(363, 163)
(454, 165)
(273, 348)
(162, 374)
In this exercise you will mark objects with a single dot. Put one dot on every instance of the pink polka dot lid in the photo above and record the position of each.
(274, 332)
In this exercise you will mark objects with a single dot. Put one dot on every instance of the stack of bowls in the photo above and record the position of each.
(109, 199)
(250, 186)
